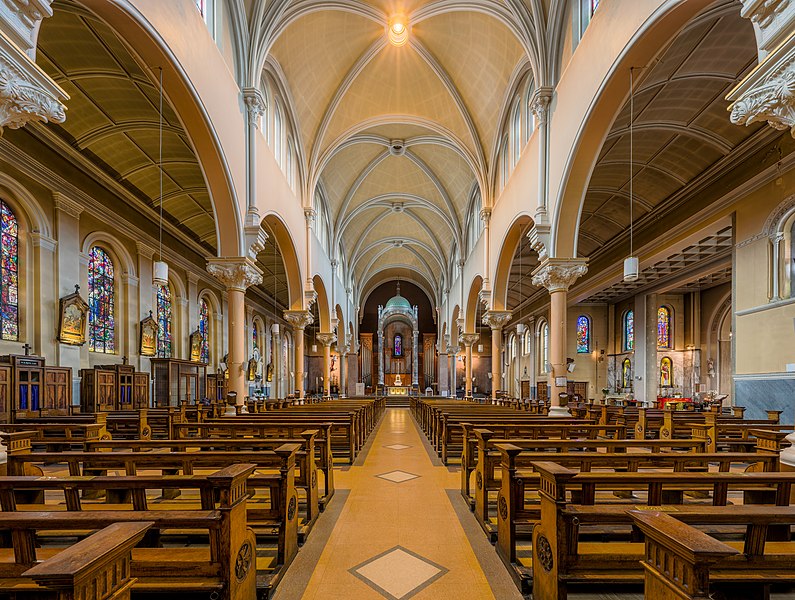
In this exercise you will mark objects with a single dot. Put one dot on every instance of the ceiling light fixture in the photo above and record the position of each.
(398, 30)
(631, 262)
(160, 267)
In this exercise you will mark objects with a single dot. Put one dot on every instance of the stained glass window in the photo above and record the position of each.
(9, 274)
(255, 336)
(663, 327)
(101, 307)
(164, 321)
(594, 6)
(204, 330)
(629, 330)
(583, 334)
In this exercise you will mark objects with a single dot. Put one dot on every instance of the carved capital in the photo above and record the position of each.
(256, 238)
(451, 350)
(67, 205)
(310, 295)
(326, 338)
(557, 274)
(772, 20)
(26, 92)
(309, 215)
(484, 295)
(768, 92)
(539, 104)
(19, 20)
(469, 339)
(235, 273)
(299, 319)
(255, 104)
(485, 215)
(539, 238)
(496, 319)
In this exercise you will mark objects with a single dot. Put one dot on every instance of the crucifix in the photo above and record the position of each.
(124, 360)
(77, 288)
(27, 348)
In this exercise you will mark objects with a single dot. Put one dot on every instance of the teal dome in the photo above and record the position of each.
(398, 302)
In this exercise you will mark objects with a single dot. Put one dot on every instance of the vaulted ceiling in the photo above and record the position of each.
(398, 138)
(112, 125)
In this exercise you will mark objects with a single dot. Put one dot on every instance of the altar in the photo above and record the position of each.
(395, 386)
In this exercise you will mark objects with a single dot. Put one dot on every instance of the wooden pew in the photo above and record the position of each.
(57, 435)
(682, 561)
(563, 554)
(521, 462)
(311, 456)
(218, 516)
(97, 567)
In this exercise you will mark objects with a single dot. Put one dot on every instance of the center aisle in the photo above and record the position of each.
(398, 534)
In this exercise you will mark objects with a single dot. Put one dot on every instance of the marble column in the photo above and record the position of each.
(415, 371)
(452, 351)
(236, 274)
(444, 365)
(469, 339)
(277, 383)
(299, 320)
(353, 369)
(343, 370)
(326, 339)
(496, 319)
(557, 275)
(381, 358)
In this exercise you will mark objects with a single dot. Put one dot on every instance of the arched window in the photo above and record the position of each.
(204, 330)
(583, 334)
(278, 132)
(516, 133)
(528, 339)
(164, 321)
(629, 331)
(511, 348)
(504, 167)
(529, 117)
(9, 274)
(543, 344)
(583, 18)
(101, 307)
(255, 336)
(663, 327)
(791, 264)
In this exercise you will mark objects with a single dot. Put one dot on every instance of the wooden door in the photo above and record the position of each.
(5, 394)
(140, 393)
(57, 390)
(542, 391)
(105, 384)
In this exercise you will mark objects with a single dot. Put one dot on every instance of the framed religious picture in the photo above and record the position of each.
(72, 320)
(397, 346)
(196, 346)
(147, 343)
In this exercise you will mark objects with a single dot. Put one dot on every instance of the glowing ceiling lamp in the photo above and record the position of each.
(398, 30)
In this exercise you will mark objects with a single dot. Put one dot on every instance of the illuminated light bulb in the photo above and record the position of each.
(397, 30)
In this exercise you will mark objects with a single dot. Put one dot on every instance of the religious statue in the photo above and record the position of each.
(665, 372)
(269, 376)
(710, 367)
(626, 374)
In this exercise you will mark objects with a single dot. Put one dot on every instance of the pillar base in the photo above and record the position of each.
(559, 412)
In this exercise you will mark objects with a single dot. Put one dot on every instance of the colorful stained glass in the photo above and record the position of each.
(204, 330)
(583, 334)
(594, 6)
(663, 327)
(255, 336)
(164, 321)
(9, 274)
(101, 307)
(629, 330)
(545, 348)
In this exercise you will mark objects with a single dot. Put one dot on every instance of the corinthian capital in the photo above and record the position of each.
(539, 104)
(557, 274)
(298, 319)
(496, 319)
(26, 92)
(768, 92)
(235, 273)
(326, 338)
(470, 338)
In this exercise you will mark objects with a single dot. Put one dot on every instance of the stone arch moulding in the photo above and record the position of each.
(323, 308)
(472, 300)
(188, 87)
(25, 205)
(292, 267)
(571, 164)
(117, 248)
(502, 271)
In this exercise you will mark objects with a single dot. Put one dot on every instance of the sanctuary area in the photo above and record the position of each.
(365, 299)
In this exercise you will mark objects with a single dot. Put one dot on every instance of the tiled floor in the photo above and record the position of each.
(397, 535)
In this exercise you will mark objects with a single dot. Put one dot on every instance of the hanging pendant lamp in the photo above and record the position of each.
(160, 268)
(631, 271)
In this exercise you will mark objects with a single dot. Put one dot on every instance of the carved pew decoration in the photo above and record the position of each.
(97, 567)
